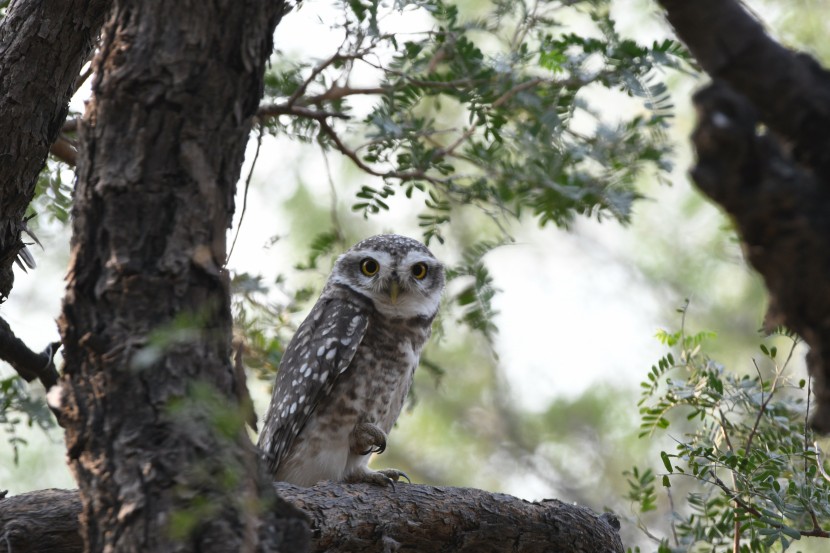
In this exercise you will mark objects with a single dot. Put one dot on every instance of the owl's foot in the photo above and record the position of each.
(366, 438)
(385, 477)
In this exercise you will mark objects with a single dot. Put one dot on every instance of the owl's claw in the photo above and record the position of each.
(367, 438)
(385, 477)
(395, 475)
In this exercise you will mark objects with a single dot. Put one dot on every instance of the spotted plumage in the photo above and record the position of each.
(345, 375)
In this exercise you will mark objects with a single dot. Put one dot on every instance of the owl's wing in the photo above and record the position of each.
(322, 348)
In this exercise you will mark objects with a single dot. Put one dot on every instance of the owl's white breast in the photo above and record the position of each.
(373, 388)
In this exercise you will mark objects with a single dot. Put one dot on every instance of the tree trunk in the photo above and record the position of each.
(774, 181)
(366, 518)
(43, 45)
(154, 430)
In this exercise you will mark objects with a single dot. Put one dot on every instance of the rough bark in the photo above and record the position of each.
(154, 431)
(763, 144)
(43, 45)
(366, 518)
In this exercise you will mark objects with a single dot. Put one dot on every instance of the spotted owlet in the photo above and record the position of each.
(345, 375)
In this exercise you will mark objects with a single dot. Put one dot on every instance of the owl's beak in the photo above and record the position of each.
(394, 288)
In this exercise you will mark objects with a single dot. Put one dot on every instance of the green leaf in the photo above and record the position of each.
(666, 461)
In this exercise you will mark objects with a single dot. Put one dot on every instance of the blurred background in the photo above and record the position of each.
(548, 407)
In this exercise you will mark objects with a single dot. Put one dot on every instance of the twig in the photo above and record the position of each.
(337, 92)
(345, 150)
(319, 69)
(245, 195)
(764, 402)
(736, 535)
(82, 78)
(335, 220)
(498, 102)
(449, 150)
(814, 532)
(274, 110)
(820, 463)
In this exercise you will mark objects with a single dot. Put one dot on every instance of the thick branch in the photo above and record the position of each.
(366, 518)
(790, 90)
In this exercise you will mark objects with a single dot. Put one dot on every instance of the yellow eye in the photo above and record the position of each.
(419, 270)
(369, 267)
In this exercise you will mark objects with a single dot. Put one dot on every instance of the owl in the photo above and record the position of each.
(345, 375)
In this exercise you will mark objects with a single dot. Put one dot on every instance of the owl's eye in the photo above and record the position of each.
(369, 267)
(419, 270)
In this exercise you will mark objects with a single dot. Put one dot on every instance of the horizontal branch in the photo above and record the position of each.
(366, 518)
(274, 110)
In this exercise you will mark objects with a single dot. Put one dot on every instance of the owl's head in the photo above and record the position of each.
(400, 275)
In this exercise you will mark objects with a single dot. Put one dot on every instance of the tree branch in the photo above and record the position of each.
(64, 151)
(28, 364)
(816, 531)
(273, 110)
(366, 518)
(790, 90)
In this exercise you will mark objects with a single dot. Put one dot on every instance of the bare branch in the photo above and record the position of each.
(28, 364)
(274, 110)
(348, 152)
(319, 69)
(337, 92)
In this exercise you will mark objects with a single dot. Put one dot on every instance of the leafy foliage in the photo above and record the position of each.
(15, 403)
(53, 195)
(743, 453)
(494, 111)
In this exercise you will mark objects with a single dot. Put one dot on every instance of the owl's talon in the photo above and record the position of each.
(367, 438)
(385, 477)
(395, 475)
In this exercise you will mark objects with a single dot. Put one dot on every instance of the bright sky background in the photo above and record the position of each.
(574, 309)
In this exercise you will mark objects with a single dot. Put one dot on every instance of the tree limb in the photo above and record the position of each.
(773, 180)
(789, 89)
(28, 364)
(360, 517)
